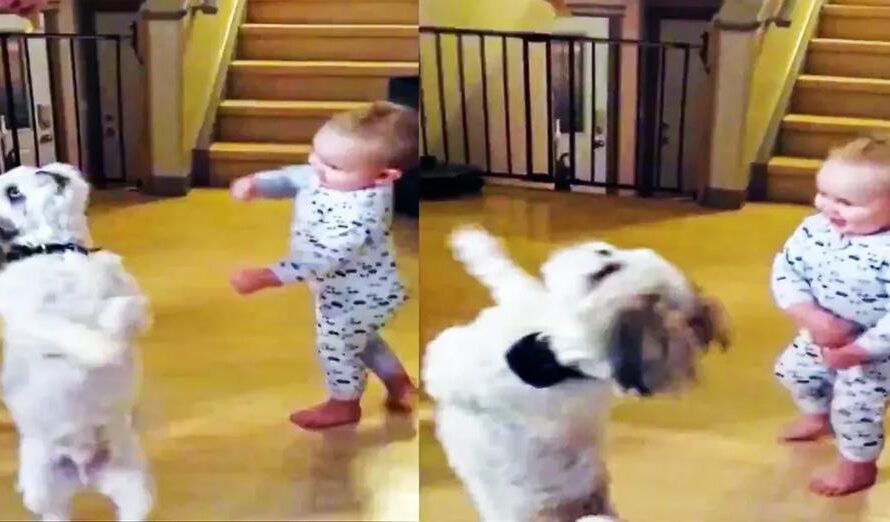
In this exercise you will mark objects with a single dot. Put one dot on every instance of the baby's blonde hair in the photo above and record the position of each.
(389, 130)
(873, 149)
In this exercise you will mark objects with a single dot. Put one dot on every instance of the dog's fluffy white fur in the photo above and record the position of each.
(70, 371)
(533, 454)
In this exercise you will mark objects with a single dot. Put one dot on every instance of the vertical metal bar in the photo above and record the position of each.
(526, 81)
(682, 130)
(32, 104)
(441, 82)
(572, 124)
(121, 141)
(10, 102)
(593, 172)
(484, 67)
(422, 115)
(463, 98)
(551, 168)
(662, 70)
(641, 176)
(73, 55)
(507, 105)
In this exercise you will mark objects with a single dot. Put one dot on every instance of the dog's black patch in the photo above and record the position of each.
(597, 277)
(532, 360)
(60, 180)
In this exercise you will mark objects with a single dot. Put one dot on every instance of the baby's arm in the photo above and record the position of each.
(876, 340)
(789, 284)
(273, 184)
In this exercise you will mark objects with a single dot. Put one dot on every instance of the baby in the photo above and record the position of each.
(833, 279)
(340, 246)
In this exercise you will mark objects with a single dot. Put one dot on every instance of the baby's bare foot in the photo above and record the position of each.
(806, 428)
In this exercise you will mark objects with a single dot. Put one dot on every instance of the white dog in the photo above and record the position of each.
(523, 391)
(70, 372)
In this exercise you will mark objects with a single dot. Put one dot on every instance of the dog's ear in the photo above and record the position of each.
(533, 361)
(711, 323)
(62, 175)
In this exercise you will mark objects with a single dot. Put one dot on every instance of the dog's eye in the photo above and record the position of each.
(598, 276)
(604, 253)
(13, 194)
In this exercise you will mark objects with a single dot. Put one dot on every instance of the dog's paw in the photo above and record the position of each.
(125, 316)
(471, 242)
(96, 349)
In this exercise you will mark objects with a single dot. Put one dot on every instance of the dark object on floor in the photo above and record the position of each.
(405, 90)
(442, 181)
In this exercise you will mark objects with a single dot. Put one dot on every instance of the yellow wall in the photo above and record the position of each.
(205, 39)
(505, 15)
(774, 72)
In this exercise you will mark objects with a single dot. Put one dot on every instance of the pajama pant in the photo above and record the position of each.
(855, 398)
(349, 313)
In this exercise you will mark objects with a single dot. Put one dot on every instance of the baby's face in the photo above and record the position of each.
(342, 163)
(854, 197)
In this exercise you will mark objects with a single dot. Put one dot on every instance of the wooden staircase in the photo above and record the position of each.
(843, 92)
(298, 62)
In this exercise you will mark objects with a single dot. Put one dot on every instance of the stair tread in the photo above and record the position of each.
(793, 166)
(812, 121)
(236, 106)
(355, 30)
(856, 11)
(351, 64)
(846, 45)
(848, 83)
(232, 148)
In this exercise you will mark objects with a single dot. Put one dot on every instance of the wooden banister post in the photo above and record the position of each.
(169, 175)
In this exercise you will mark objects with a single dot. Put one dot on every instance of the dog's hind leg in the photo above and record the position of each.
(126, 479)
(46, 490)
(486, 260)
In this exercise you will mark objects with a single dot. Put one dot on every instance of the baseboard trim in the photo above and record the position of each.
(169, 186)
(724, 199)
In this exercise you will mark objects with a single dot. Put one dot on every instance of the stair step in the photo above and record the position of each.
(260, 151)
(275, 121)
(333, 11)
(841, 96)
(848, 58)
(855, 22)
(814, 136)
(325, 68)
(329, 42)
(322, 81)
(861, 2)
(792, 180)
(230, 160)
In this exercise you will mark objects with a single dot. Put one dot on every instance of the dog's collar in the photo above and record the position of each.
(19, 252)
(533, 361)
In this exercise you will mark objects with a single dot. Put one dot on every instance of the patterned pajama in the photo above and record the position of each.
(340, 246)
(850, 277)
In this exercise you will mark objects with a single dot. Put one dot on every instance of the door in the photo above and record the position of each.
(31, 116)
(122, 157)
(677, 165)
(592, 76)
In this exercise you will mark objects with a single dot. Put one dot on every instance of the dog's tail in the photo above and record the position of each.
(484, 258)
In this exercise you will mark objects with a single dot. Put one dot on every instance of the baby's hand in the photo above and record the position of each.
(845, 357)
(825, 329)
(244, 189)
